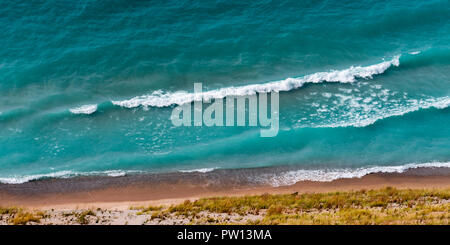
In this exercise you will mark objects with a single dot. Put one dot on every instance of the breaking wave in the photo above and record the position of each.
(199, 170)
(327, 175)
(413, 105)
(85, 109)
(64, 175)
(164, 99)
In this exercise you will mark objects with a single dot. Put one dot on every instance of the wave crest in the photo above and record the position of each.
(85, 109)
(162, 99)
(199, 170)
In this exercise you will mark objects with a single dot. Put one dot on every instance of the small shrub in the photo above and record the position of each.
(22, 218)
(275, 210)
(82, 217)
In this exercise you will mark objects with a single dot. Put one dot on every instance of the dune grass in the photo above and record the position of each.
(80, 216)
(23, 218)
(364, 207)
(19, 216)
(383, 206)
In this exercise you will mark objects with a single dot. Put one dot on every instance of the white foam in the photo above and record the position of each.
(163, 99)
(27, 178)
(327, 175)
(112, 173)
(19, 179)
(64, 174)
(413, 105)
(277, 179)
(200, 170)
(85, 109)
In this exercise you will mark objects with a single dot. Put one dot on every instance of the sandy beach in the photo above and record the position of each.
(126, 191)
(225, 197)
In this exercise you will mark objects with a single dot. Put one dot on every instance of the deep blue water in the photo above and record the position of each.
(123, 61)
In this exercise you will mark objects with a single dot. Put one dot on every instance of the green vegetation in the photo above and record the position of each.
(22, 218)
(18, 216)
(82, 217)
(146, 210)
(8, 211)
(427, 214)
(385, 206)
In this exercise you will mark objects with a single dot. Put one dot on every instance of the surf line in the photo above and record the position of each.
(214, 113)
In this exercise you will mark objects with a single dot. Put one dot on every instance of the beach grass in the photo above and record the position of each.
(383, 206)
(19, 216)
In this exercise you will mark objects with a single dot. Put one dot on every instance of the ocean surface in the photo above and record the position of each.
(87, 87)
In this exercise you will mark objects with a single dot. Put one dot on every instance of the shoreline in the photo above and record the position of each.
(174, 188)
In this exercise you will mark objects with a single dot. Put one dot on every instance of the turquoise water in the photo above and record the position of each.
(385, 104)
